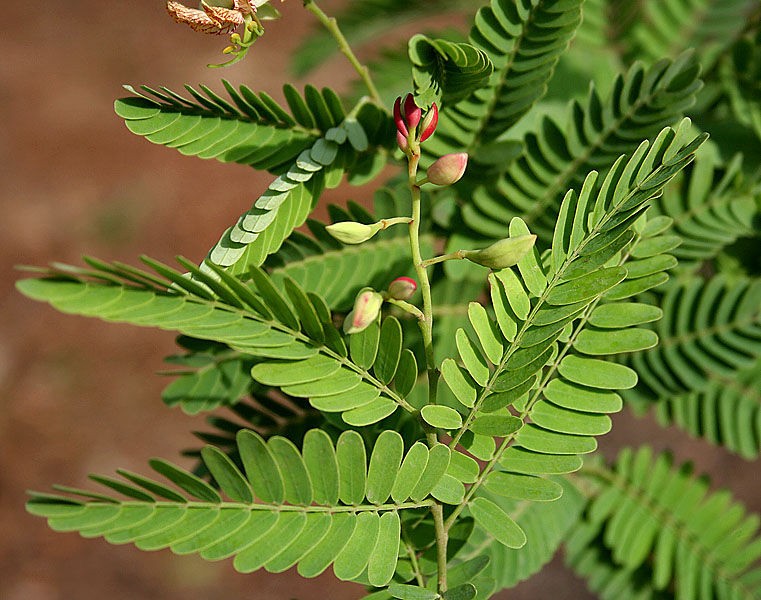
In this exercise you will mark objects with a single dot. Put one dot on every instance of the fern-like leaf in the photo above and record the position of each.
(665, 29)
(444, 71)
(711, 206)
(368, 22)
(323, 505)
(703, 544)
(305, 354)
(546, 525)
(725, 412)
(556, 158)
(709, 328)
(534, 363)
(209, 375)
(246, 128)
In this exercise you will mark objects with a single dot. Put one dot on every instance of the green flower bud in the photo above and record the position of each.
(502, 254)
(367, 307)
(349, 232)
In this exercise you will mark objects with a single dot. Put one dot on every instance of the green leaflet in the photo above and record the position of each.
(285, 482)
(491, 517)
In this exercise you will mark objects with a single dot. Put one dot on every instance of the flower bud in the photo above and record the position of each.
(412, 112)
(350, 232)
(430, 122)
(367, 307)
(502, 254)
(448, 169)
(401, 141)
(401, 127)
(402, 288)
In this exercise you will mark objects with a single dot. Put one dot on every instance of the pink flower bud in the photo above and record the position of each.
(398, 119)
(401, 140)
(367, 307)
(402, 288)
(448, 169)
(412, 111)
(430, 122)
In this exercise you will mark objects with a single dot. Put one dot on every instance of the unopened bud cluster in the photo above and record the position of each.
(412, 128)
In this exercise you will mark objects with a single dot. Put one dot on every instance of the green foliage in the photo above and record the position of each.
(661, 520)
(249, 128)
(644, 285)
(311, 148)
(209, 375)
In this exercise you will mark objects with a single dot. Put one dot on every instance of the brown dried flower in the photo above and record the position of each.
(212, 19)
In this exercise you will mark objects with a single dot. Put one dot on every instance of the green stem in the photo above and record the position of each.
(426, 328)
(343, 45)
(437, 259)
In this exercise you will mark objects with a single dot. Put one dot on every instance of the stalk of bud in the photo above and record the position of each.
(402, 288)
(350, 232)
(502, 254)
(367, 307)
(448, 169)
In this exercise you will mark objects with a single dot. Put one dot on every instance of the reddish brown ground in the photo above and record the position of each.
(80, 395)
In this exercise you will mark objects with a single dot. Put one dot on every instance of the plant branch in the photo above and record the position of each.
(331, 25)
(426, 328)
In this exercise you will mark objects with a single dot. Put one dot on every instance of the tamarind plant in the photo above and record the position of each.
(414, 390)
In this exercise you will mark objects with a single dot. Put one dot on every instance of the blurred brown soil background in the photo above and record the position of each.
(80, 396)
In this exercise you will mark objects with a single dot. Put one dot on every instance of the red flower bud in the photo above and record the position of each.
(402, 288)
(430, 122)
(400, 125)
(412, 111)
